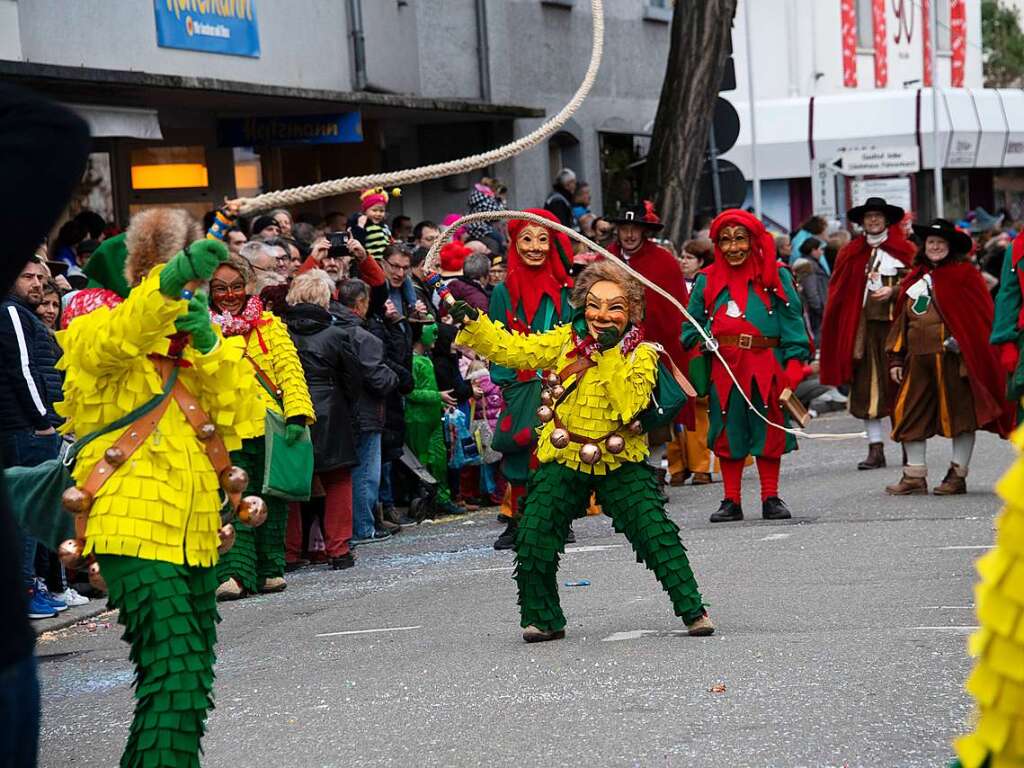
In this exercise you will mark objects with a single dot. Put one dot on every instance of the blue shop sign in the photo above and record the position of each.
(210, 26)
(344, 128)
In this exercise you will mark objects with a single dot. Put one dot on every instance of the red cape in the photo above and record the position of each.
(967, 310)
(846, 301)
(1016, 254)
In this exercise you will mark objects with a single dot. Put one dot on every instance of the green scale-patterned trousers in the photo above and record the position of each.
(169, 613)
(258, 553)
(629, 496)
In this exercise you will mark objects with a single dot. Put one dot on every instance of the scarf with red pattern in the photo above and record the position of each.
(250, 318)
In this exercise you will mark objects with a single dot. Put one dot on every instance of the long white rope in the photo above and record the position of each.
(287, 197)
(710, 343)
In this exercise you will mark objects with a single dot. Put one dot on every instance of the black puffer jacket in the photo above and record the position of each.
(332, 371)
(377, 378)
(397, 357)
(26, 401)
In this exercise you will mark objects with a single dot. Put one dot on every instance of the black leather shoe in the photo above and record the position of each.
(570, 538)
(341, 562)
(774, 508)
(728, 512)
(507, 540)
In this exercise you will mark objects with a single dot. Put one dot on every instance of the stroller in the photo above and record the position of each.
(414, 482)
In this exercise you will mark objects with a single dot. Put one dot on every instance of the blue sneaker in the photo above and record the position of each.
(54, 602)
(38, 608)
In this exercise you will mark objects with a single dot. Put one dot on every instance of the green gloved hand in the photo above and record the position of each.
(293, 433)
(196, 321)
(197, 262)
(608, 337)
(460, 310)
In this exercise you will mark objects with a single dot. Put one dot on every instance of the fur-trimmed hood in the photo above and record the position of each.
(154, 236)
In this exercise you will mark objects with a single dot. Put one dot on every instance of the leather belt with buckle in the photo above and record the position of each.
(748, 341)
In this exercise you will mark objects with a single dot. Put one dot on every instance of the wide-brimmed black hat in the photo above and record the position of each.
(641, 214)
(893, 213)
(959, 242)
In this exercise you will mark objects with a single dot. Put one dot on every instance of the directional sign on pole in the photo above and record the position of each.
(823, 188)
(877, 161)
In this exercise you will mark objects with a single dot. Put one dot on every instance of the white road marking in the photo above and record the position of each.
(776, 536)
(593, 548)
(946, 607)
(955, 628)
(489, 570)
(969, 546)
(633, 634)
(369, 631)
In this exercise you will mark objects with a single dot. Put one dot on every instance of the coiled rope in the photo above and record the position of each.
(710, 343)
(287, 197)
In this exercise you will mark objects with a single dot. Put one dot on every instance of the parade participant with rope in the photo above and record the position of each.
(149, 494)
(858, 314)
(591, 442)
(950, 380)
(753, 310)
(534, 298)
(256, 562)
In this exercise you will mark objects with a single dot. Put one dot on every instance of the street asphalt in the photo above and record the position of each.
(841, 642)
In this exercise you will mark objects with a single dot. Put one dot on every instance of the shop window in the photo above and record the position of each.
(865, 25)
(248, 172)
(169, 168)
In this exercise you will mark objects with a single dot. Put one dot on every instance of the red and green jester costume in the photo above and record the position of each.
(1008, 326)
(754, 311)
(531, 300)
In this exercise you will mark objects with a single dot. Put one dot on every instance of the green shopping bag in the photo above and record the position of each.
(287, 469)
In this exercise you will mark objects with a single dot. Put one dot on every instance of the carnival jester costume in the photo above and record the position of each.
(534, 298)
(753, 310)
(1008, 327)
(154, 523)
(589, 443)
(256, 562)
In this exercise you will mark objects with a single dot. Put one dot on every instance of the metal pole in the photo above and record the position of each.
(755, 177)
(933, 22)
(716, 182)
(483, 51)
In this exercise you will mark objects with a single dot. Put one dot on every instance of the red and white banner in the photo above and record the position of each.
(849, 27)
(926, 40)
(958, 40)
(881, 41)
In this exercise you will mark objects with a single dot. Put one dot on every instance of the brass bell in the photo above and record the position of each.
(590, 454)
(96, 578)
(545, 397)
(206, 431)
(70, 553)
(234, 479)
(252, 510)
(557, 391)
(545, 414)
(560, 438)
(76, 501)
(636, 428)
(115, 456)
(227, 537)
(552, 380)
(615, 444)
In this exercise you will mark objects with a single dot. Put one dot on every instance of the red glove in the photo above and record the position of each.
(1009, 356)
(794, 373)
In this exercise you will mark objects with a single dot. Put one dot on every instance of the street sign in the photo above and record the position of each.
(823, 188)
(877, 161)
(894, 191)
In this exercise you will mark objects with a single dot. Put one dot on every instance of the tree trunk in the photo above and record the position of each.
(700, 43)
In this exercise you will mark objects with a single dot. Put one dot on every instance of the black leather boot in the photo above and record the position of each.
(507, 540)
(774, 508)
(728, 512)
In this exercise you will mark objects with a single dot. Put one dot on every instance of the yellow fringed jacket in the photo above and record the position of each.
(164, 502)
(272, 349)
(609, 395)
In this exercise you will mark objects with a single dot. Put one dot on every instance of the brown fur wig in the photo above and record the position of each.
(608, 270)
(154, 236)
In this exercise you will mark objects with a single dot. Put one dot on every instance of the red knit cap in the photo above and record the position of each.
(453, 256)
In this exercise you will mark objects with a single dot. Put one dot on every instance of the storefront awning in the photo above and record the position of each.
(109, 122)
(981, 128)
